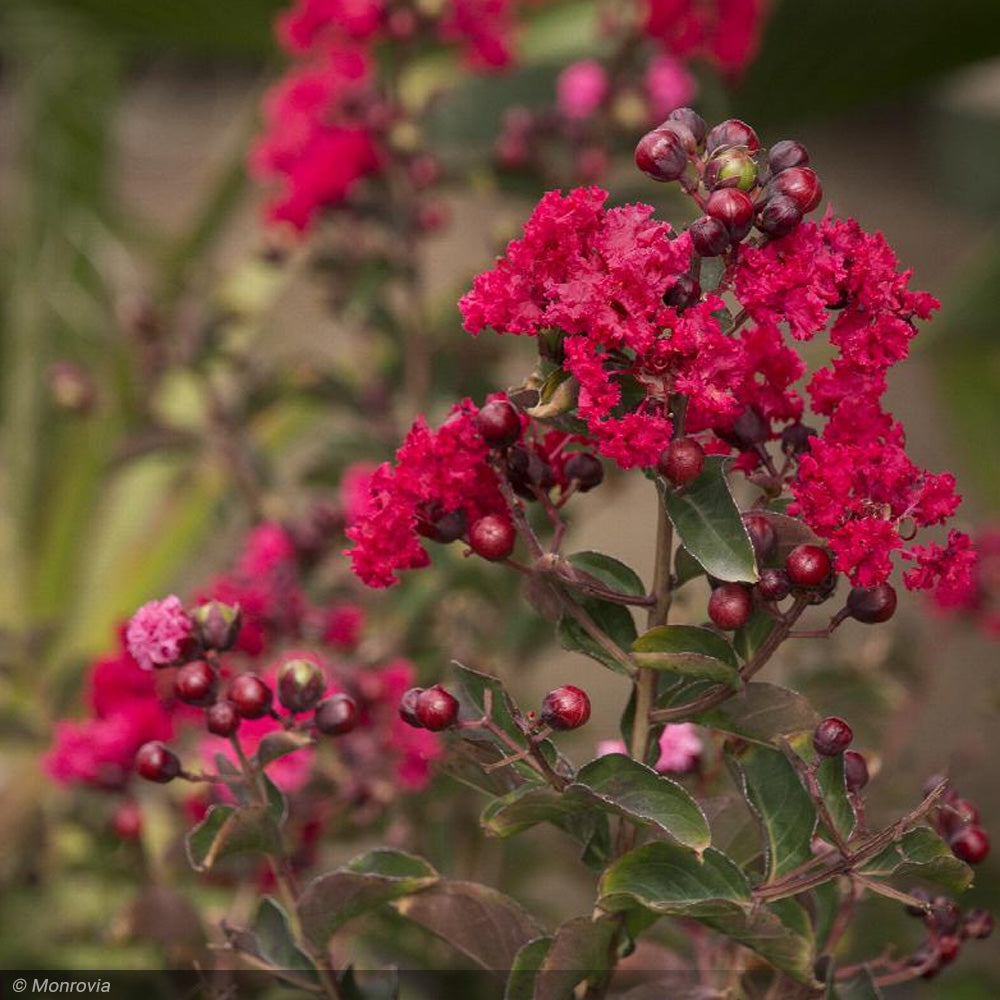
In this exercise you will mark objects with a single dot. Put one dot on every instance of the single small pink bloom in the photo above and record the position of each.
(158, 633)
(581, 88)
(669, 85)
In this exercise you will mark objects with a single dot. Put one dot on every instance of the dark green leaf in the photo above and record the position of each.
(580, 948)
(830, 776)
(748, 639)
(227, 830)
(366, 883)
(615, 620)
(688, 650)
(626, 787)
(709, 524)
(686, 567)
(761, 713)
(275, 939)
(782, 805)
(280, 744)
(612, 573)
(523, 971)
(920, 855)
(528, 806)
(487, 926)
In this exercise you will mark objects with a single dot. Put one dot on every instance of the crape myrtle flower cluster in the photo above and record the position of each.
(331, 121)
(250, 658)
(975, 596)
(647, 73)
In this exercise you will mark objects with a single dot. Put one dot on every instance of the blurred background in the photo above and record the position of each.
(124, 126)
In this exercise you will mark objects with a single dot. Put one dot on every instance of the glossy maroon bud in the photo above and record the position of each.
(681, 461)
(872, 605)
(730, 606)
(492, 537)
(336, 715)
(251, 696)
(786, 153)
(948, 948)
(978, 925)
(970, 844)
(156, 762)
(733, 208)
(732, 132)
(217, 625)
(774, 585)
(565, 707)
(661, 155)
(408, 707)
(436, 708)
(709, 237)
(499, 423)
(687, 138)
(440, 526)
(750, 428)
(222, 719)
(779, 216)
(795, 439)
(585, 470)
(731, 168)
(808, 566)
(801, 185)
(683, 293)
(127, 821)
(832, 736)
(957, 814)
(196, 683)
(945, 916)
(528, 468)
(763, 537)
(691, 120)
(301, 684)
(855, 771)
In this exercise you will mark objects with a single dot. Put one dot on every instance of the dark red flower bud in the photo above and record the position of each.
(978, 925)
(731, 168)
(872, 605)
(957, 814)
(683, 293)
(774, 585)
(855, 771)
(251, 696)
(945, 916)
(778, 216)
(436, 708)
(440, 526)
(732, 132)
(661, 155)
(733, 208)
(565, 707)
(222, 719)
(795, 439)
(832, 736)
(527, 469)
(801, 185)
(301, 684)
(786, 153)
(336, 715)
(408, 707)
(492, 537)
(924, 896)
(808, 566)
(690, 118)
(949, 947)
(499, 423)
(217, 625)
(156, 762)
(127, 821)
(763, 537)
(584, 469)
(970, 844)
(730, 606)
(681, 461)
(196, 683)
(709, 237)
(750, 428)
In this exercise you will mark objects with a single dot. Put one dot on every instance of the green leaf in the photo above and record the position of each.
(580, 949)
(626, 787)
(615, 620)
(688, 650)
(228, 830)
(920, 855)
(366, 883)
(748, 639)
(760, 713)
(686, 567)
(709, 524)
(487, 926)
(276, 942)
(614, 574)
(279, 744)
(830, 776)
(782, 805)
(524, 969)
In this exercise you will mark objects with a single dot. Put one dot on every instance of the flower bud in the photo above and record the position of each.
(732, 132)
(337, 715)
(786, 153)
(156, 762)
(566, 707)
(779, 216)
(709, 237)
(731, 168)
(584, 469)
(436, 708)
(217, 625)
(661, 155)
(690, 118)
(832, 737)
(301, 684)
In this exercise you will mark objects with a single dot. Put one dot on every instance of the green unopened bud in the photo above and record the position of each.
(300, 684)
(217, 625)
(731, 168)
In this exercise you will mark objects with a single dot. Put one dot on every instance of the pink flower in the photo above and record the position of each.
(581, 89)
(668, 85)
(312, 22)
(355, 489)
(267, 549)
(680, 748)
(343, 625)
(158, 633)
(483, 28)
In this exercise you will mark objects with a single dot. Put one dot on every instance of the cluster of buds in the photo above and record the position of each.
(957, 821)
(735, 183)
(948, 929)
